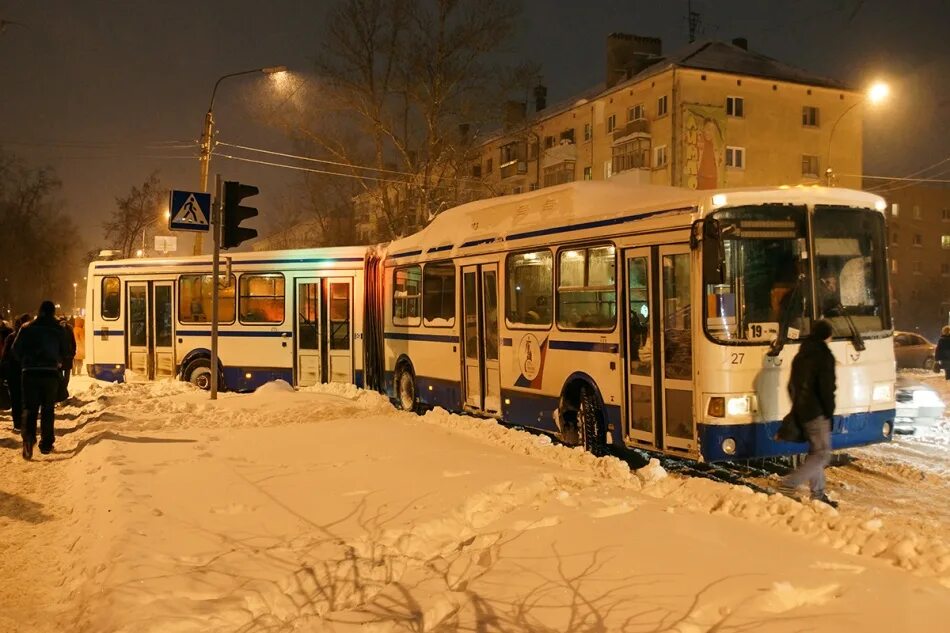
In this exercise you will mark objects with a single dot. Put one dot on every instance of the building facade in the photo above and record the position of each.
(918, 235)
(713, 115)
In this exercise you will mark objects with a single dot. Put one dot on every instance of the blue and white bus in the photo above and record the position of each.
(291, 315)
(643, 317)
(602, 313)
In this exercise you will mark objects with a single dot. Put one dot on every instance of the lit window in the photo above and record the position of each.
(194, 299)
(407, 284)
(895, 209)
(945, 241)
(586, 292)
(261, 298)
(894, 266)
(529, 278)
(111, 298)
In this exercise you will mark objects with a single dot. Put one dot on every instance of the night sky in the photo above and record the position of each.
(106, 92)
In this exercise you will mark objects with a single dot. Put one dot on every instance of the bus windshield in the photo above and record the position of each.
(762, 281)
(849, 260)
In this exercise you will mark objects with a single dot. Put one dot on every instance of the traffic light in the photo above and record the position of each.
(233, 213)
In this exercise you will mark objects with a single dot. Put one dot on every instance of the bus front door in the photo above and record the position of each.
(308, 333)
(324, 331)
(676, 349)
(640, 336)
(339, 330)
(659, 398)
(162, 331)
(482, 374)
(138, 354)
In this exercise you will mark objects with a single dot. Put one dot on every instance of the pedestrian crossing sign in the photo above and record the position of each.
(190, 211)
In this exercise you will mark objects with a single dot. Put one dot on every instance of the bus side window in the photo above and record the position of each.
(261, 299)
(529, 278)
(586, 292)
(111, 291)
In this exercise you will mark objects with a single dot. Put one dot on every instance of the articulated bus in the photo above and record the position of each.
(643, 317)
(602, 313)
(291, 315)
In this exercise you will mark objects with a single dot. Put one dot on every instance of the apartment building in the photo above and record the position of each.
(712, 115)
(918, 235)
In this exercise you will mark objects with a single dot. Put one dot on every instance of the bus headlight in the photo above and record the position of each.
(738, 406)
(883, 391)
(729, 446)
(886, 429)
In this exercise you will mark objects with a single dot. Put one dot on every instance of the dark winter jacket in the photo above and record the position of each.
(9, 363)
(942, 353)
(812, 384)
(41, 345)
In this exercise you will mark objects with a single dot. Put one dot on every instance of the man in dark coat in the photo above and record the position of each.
(11, 372)
(67, 368)
(942, 353)
(41, 348)
(812, 391)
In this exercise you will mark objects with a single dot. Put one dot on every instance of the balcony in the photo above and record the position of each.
(632, 129)
(513, 169)
(562, 153)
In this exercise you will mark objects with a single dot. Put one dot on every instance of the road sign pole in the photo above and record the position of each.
(215, 265)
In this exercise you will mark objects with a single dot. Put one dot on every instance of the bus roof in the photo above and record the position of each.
(590, 202)
(337, 255)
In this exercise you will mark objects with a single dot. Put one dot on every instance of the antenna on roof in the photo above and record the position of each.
(692, 18)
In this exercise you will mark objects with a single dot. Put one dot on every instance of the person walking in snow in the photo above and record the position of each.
(66, 368)
(942, 353)
(812, 392)
(41, 347)
(11, 372)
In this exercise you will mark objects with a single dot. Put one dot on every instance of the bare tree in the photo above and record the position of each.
(136, 216)
(404, 88)
(35, 236)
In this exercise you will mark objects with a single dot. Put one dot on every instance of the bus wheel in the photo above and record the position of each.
(406, 389)
(590, 423)
(199, 374)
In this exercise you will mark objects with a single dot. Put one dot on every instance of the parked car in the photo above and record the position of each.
(912, 350)
(918, 405)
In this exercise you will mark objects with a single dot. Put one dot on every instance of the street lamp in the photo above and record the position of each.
(876, 94)
(208, 133)
(75, 289)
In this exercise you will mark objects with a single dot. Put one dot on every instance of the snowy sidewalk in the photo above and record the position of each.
(325, 510)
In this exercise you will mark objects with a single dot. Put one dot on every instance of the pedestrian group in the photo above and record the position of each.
(37, 357)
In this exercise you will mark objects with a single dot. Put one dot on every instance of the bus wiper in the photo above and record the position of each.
(777, 345)
(856, 338)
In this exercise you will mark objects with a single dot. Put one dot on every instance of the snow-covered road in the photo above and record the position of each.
(326, 510)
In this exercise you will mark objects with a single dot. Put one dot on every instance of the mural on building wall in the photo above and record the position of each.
(704, 135)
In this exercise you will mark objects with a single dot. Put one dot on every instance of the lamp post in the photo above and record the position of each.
(167, 214)
(75, 290)
(207, 133)
(877, 93)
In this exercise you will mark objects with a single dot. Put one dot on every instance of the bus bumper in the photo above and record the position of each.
(757, 439)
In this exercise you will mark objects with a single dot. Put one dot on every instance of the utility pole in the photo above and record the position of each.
(693, 21)
(205, 161)
(215, 265)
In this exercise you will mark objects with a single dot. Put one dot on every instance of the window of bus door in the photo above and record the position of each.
(111, 298)
(529, 284)
(638, 311)
(261, 299)
(761, 278)
(850, 264)
(339, 314)
(194, 299)
(677, 337)
(587, 291)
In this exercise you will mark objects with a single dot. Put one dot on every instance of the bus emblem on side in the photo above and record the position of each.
(529, 356)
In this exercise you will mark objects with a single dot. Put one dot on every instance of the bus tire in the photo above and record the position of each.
(406, 394)
(198, 373)
(590, 423)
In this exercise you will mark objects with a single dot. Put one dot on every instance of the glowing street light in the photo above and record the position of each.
(208, 132)
(877, 93)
